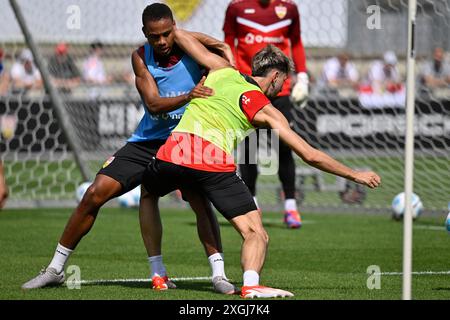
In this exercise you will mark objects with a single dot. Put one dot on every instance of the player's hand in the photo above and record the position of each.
(227, 53)
(200, 91)
(368, 178)
(300, 91)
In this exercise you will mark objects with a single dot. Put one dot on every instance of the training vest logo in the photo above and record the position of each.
(245, 100)
(281, 11)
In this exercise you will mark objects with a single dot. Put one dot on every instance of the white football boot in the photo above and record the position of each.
(47, 277)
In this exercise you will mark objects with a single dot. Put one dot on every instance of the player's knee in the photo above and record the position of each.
(94, 197)
(256, 234)
(248, 234)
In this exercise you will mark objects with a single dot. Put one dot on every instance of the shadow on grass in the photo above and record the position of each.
(181, 285)
(315, 288)
(441, 289)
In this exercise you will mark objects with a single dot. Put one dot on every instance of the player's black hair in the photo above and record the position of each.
(155, 12)
(268, 59)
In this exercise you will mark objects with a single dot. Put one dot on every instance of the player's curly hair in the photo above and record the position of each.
(268, 59)
(155, 12)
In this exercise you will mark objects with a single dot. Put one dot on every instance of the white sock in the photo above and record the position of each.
(290, 205)
(256, 202)
(60, 258)
(216, 261)
(157, 266)
(251, 278)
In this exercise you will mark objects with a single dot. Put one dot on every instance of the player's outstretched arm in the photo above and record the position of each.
(212, 43)
(274, 119)
(148, 90)
(198, 52)
(3, 188)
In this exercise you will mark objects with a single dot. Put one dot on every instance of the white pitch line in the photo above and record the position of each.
(416, 273)
(434, 228)
(100, 281)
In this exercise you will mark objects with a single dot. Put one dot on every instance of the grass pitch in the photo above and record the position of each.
(327, 259)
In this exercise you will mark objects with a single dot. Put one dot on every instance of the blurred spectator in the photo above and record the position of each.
(384, 75)
(24, 74)
(93, 69)
(63, 70)
(436, 73)
(4, 77)
(1, 60)
(384, 87)
(340, 72)
(127, 77)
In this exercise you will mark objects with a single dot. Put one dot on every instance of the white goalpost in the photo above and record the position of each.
(409, 152)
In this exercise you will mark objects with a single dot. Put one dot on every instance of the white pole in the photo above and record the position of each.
(409, 153)
(57, 103)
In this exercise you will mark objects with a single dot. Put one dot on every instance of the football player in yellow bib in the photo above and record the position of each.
(198, 153)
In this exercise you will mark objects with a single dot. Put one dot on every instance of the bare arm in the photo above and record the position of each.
(198, 52)
(316, 158)
(435, 82)
(213, 43)
(3, 188)
(148, 90)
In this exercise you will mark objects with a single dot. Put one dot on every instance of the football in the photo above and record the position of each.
(131, 198)
(398, 206)
(81, 190)
(447, 222)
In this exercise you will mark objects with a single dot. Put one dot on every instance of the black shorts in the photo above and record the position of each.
(226, 190)
(129, 163)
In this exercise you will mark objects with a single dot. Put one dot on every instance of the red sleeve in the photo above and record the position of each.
(251, 102)
(298, 51)
(229, 25)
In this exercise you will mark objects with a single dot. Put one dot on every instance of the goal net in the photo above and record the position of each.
(86, 47)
